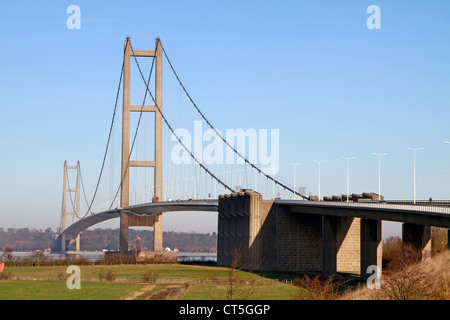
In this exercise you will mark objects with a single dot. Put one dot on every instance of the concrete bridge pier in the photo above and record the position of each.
(127, 219)
(306, 237)
(371, 246)
(341, 245)
(239, 240)
(329, 245)
(419, 237)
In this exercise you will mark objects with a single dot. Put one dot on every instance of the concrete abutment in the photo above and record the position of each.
(265, 236)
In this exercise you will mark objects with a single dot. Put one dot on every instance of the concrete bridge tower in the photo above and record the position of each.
(76, 205)
(127, 219)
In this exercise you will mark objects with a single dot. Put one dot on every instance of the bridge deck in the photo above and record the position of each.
(436, 215)
(433, 215)
(147, 209)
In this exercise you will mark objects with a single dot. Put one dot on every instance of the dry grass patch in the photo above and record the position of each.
(406, 278)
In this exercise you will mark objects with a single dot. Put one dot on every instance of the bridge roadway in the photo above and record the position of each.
(146, 209)
(423, 213)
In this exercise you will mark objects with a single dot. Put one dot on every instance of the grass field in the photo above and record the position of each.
(111, 282)
(244, 292)
(57, 290)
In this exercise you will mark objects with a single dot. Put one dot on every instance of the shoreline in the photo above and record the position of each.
(102, 252)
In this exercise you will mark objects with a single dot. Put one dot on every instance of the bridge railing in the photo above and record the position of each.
(406, 207)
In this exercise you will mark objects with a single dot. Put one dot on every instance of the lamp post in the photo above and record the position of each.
(295, 174)
(348, 171)
(379, 172)
(414, 150)
(319, 162)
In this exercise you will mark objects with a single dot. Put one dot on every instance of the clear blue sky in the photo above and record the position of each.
(309, 68)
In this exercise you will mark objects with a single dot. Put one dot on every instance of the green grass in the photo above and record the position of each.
(133, 272)
(206, 282)
(57, 290)
(248, 292)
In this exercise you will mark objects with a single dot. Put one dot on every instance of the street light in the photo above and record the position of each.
(295, 171)
(414, 149)
(379, 172)
(348, 171)
(319, 162)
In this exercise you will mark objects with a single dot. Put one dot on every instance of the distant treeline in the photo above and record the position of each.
(25, 239)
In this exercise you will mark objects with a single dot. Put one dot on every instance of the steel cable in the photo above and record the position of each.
(221, 136)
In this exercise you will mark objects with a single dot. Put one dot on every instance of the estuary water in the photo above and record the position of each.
(94, 256)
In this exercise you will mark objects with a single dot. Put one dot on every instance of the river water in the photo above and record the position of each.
(94, 256)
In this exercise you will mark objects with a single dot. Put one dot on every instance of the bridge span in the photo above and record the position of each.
(146, 210)
(423, 214)
(312, 236)
(291, 235)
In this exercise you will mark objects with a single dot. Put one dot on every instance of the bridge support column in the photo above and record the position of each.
(158, 233)
(240, 221)
(371, 245)
(448, 239)
(419, 237)
(128, 219)
(63, 242)
(340, 244)
(123, 236)
(329, 245)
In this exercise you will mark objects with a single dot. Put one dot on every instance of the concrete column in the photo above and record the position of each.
(220, 232)
(158, 124)
(255, 223)
(226, 230)
(63, 242)
(158, 233)
(123, 236)
(448, 239)
(419, 237)
(240, 242)
(233, 225)
(125, 191)
(329, 245)
(77, 213)
(348, 242)
(371, 245)
(158, 183)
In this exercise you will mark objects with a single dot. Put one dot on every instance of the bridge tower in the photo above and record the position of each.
(126, 219)
(75, 207)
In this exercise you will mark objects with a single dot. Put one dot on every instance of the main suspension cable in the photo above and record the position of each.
(170, 127)
(221, 136)
(109, 138)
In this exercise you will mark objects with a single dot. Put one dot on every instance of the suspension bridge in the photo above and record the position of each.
(162, 170)
(161, 136)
